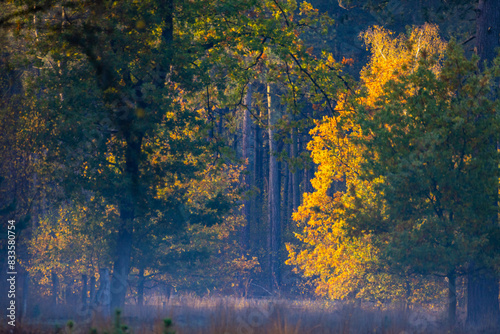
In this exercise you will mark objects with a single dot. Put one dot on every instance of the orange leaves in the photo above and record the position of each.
(348, 61)
(70, 242)
(347, 265)
(316, 106)
(392, 57)
(307, 9)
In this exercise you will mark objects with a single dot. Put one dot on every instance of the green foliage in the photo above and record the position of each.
(118, 326)
(119, 113)
(343, 261)
(431, 139)
(167, 329)
(70, 324)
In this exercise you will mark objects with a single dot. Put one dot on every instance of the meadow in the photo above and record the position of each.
(186, 314)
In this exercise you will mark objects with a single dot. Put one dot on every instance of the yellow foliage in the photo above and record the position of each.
(345, 266)
(69, 243)
(397, 56)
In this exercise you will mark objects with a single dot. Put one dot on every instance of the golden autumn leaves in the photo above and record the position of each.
(343, 265)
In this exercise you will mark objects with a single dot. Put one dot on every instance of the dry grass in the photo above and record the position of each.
(246, 316)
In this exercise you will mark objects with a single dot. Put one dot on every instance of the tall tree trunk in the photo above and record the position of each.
(84, 291)
(103, 297)
(482, 286)
(55, 287)
(487, 29)
(452, 298)
(310, 176)
(132, 136)
(140, 288)
(286, 181)
(121, 268)
(274, 196)
(258, 177)
(69, 294)
(409, 292)
(92, 290)
(289, 209)
(220, 123)
(294, 151)
(246, 151)
(131, 196)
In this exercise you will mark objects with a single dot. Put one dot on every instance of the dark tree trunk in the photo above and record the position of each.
(286, 176)
(220, 124)
(487, 29)
(290, 193)
(309, 176)
(55, 288)
(211, 120)
(84, 291)
(452, 298)
(69, 295)
(121, 268)
(409, 292)
(274, 197)
(258, 177)
(482, 286)
(294, 152)
(277, 228)
(246, 151)
(103, 297)
(125, 121)
(140, 288)
(92, 290)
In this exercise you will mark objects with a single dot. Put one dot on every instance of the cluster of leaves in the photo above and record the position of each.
(405, 172)
(206, 255)
(433, 143)
(119, 109)
(70, 242)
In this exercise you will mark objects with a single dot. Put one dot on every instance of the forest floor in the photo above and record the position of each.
(243, 316)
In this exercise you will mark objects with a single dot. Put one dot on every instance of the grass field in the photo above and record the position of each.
(243, 316)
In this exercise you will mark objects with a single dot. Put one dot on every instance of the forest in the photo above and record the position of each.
(249, 166)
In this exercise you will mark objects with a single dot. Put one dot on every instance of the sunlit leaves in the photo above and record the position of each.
(338, 219)
(432, 145)
(71, 242)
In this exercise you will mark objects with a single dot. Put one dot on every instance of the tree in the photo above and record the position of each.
(435, 187)
(207, 255)
(69, 242)
(21, 189)
(247, 156)
(118, 136)
(116, 95)
(274, 194)
(349, 264)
